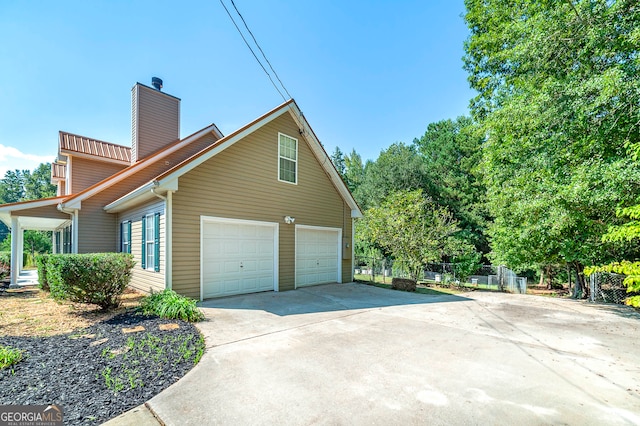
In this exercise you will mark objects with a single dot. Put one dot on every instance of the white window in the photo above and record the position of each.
(288, 158)
(149, 242)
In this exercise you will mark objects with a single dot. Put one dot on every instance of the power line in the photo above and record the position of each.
(254, 54)
(261, 51)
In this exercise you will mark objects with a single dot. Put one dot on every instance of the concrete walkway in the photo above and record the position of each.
(355, 354)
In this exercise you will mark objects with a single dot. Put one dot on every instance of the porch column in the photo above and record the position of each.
(16, 253)
(20, 250)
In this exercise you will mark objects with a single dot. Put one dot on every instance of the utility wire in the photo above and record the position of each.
(254, 54)
(261, 51)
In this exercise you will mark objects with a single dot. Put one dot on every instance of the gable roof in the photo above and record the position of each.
(85, 146)
(168, 179)
(74, 201)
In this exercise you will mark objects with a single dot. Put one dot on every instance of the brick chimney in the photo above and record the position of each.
(155, 119)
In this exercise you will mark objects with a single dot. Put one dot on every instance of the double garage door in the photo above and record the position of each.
(242, 256)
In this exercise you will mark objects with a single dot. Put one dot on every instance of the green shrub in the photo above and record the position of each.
(5, 263)
(169, 304)
(96, 278)
(9, 356)
(41, 263)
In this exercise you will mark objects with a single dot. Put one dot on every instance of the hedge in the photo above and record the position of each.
(96, 278)
(41, 263)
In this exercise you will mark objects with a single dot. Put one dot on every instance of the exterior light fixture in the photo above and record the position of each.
(289, 220)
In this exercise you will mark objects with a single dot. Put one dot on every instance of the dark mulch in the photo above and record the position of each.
(67, 370)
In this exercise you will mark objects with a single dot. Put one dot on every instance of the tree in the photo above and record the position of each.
(398, 168)
(354, 170)
(37, 184)
(412, 228)
(452, 153)
(337, 158)
(558, 90)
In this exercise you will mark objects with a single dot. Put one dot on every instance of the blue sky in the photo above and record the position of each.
(365, 74)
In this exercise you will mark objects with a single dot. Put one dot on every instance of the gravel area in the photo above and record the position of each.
(101, 371)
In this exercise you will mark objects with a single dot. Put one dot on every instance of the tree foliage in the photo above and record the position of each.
(558, 95)
(411, 227)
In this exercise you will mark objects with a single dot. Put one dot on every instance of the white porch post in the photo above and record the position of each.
(20, 250)
(16, 254)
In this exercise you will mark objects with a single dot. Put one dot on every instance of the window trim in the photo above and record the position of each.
(149, 241)
(295, 182)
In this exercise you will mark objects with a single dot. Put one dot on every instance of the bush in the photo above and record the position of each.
(97, 278)
(5, 263)
(41, 263)
(169, 304)
(404, 284)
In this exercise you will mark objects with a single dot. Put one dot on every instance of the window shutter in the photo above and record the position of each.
(156, 242)
(144, 242)
(129, 234)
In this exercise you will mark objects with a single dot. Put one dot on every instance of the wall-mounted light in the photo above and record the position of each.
(289, 220)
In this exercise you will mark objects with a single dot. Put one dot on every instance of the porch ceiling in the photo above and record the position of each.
(41, 223)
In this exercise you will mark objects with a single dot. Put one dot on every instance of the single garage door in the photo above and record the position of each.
(237, 257)
(317, 256)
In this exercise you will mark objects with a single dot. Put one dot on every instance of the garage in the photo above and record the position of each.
(317, 255)
(237, 257)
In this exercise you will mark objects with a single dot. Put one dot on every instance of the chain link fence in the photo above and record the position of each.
(488, 277)
(607, 287)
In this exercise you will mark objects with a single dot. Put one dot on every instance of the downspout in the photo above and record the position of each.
(168, 235)
(74, 226)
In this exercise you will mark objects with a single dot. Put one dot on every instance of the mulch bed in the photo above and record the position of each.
(72, 370)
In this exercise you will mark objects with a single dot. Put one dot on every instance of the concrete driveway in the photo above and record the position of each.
(356, 354)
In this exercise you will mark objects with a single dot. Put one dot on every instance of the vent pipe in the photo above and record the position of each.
(156, 82)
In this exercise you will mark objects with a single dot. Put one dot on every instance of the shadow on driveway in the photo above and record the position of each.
(327, 298)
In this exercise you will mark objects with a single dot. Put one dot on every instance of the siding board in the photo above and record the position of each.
(95, 226)
(88, 172)
(242, 182)
(145, 280)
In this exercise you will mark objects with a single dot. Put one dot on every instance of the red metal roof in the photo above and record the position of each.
(84, 145)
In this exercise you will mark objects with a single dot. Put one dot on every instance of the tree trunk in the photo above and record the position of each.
(541, 283)
(549, 277)
(580, 289)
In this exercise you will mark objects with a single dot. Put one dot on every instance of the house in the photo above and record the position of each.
(208, 215)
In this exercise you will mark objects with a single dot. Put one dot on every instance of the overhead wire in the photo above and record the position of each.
(254, 54)
(261, 51)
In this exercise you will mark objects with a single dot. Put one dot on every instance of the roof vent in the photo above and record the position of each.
(156, 82)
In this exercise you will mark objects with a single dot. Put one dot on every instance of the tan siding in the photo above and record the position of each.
(88, 172)
(347, 265)
(145, 280)
(242, 182)
(46, 211)
(96, 228)
(157, 123)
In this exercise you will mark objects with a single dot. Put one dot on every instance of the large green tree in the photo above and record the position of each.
(411, 228)
(558, 94)
(452, 152)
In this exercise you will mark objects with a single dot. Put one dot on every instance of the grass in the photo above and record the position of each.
(9, 356)
(145, 353)
(169, 304)
(452, 288)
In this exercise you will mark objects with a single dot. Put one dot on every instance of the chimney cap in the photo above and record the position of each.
(156, 82)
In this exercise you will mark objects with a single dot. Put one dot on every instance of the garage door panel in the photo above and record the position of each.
(237, 258)
(317, 252)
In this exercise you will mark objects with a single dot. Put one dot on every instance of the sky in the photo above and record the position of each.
(365, 74)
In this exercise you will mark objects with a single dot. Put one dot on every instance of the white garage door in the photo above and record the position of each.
(317, 256)
(237, 257)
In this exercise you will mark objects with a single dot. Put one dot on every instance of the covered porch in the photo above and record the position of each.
(37, 215)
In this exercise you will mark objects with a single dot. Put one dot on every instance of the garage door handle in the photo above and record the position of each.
(241, 265)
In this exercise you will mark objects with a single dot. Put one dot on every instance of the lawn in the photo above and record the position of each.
(422, 289)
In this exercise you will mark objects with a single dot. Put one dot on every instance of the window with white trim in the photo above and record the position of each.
(151, 242)
(287, 158)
